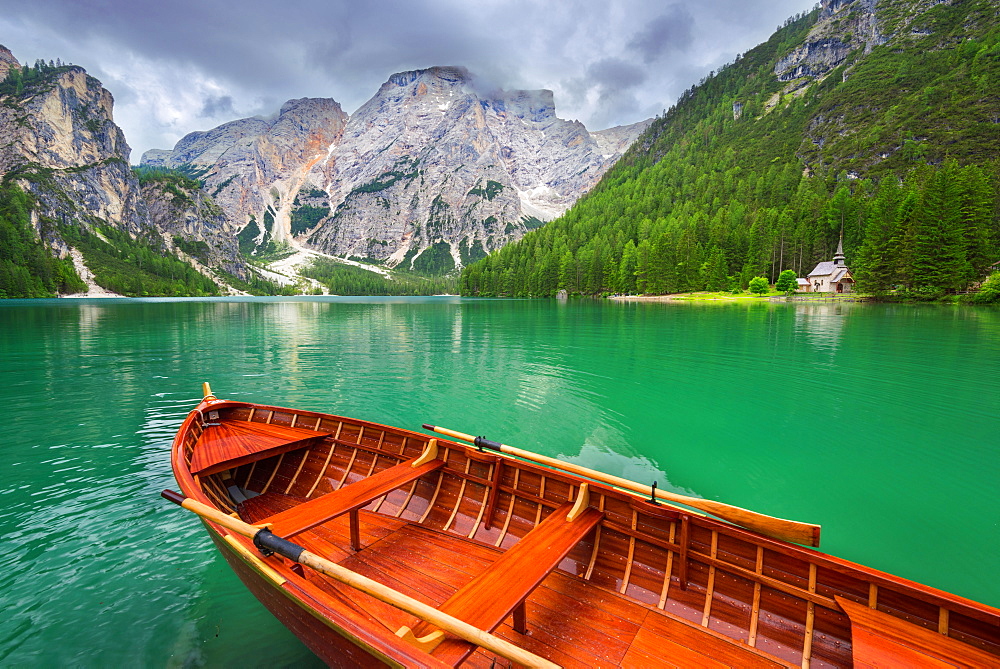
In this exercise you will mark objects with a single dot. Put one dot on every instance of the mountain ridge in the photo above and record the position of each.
(430, 165)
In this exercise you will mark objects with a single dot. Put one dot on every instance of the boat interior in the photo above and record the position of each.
(581, 574)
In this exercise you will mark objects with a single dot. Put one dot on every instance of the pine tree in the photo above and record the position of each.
(977, 206)
(941, 261)
(876, 263)
(626, 269)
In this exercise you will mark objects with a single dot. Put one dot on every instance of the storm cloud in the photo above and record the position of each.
(176, 67)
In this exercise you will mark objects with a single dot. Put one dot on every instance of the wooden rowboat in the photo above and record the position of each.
(381, 546)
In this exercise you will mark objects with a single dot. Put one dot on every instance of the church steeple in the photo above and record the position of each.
(838, 257)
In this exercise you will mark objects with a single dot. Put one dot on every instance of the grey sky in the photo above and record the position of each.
(184, 65)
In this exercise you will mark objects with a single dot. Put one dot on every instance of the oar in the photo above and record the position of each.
(266, 541)
(788, 530)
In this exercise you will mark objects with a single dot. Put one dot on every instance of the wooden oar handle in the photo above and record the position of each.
(211, 513)
(266, 541)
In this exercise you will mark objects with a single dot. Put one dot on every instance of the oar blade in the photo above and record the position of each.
(796, 532)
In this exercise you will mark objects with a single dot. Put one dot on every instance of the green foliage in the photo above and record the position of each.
(306, 216)
(251, 232)
(248, 236)
(195, 248)
(310, 192)
(935, 231)
(173, 181)
(470, 254)
(759, 285)
(404, 169)
(27, 267)
(194, 172)
(256, 285)
(435, 260)
(787, 281)
(26, 80)
(989, 292)
(136, 267)
(708, 198)
(492, 189)
(222, 186)
(343, 279)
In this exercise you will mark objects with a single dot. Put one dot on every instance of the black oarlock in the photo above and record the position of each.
(483, 442)
(652, 494)
(269, 543)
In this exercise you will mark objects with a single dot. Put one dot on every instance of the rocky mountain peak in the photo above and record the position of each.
(436, 161)
(7, 61)
(447, 75)
(60, 120)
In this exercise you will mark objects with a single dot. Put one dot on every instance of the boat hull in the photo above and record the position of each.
(648, 577)
(336, 647)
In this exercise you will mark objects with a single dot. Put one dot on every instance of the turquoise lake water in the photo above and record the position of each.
(880, 422)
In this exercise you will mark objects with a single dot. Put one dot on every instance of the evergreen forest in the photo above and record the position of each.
(893, 152)
(343, 279)
(27, 268)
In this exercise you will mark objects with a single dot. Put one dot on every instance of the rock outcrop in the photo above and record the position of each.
(254, 168)
(194, 227)
(433, 163)
(7, 61)
(844, 26)
(59, 142)
(59, 136)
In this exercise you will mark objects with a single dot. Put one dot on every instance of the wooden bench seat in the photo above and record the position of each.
(882, 640)
(491, 597)
(229, 444)
(348, 499)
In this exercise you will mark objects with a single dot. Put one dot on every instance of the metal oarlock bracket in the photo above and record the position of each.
(652, 494)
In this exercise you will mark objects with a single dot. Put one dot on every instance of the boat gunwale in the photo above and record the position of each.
(905, 587)
(385, 645)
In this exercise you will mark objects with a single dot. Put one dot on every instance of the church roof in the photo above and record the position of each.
(822, 269)
(835, 272)
(841, 273)
(835, 269)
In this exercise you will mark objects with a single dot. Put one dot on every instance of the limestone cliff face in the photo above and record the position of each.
(255, 167)
(842, 26)
(7, 61)
(61, 136)
(59, 142)
(194, 227)
(430, 161)
(846, 25)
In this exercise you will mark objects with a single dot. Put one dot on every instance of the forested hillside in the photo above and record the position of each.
(763, 165)
(27, 269)
(71, 209)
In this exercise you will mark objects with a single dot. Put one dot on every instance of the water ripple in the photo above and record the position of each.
(796, 411)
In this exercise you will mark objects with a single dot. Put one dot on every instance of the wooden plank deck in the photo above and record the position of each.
(571, 621)
(502, 589)
(233, 443)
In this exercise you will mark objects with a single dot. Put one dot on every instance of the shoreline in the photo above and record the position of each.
(716, 297)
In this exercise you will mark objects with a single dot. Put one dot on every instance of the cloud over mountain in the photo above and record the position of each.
(179, 66)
